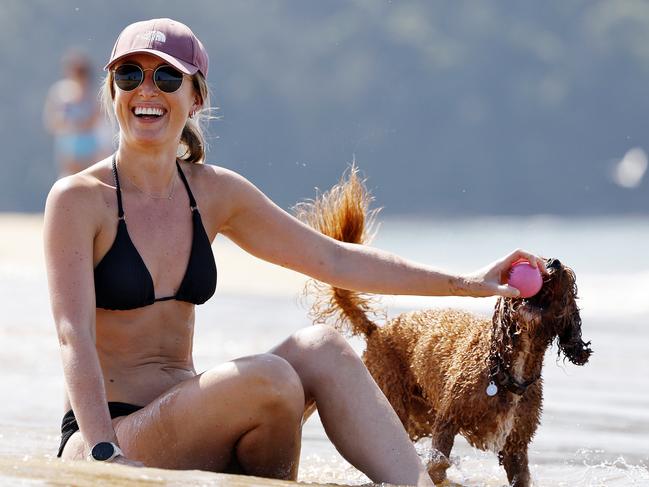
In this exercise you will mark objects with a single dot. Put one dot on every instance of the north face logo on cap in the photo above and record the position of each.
(153, 36)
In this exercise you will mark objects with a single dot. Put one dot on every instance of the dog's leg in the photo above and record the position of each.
(516, 466)
(514, 454)
(439, 459)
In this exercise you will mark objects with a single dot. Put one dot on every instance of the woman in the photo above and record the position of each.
(73, 117)
(128, 257)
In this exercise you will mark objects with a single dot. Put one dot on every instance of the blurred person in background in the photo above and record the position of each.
(73, 116)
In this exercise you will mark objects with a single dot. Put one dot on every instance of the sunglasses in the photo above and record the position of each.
(129, 76)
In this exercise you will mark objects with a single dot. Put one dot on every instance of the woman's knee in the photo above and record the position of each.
(317, 347)
(275, 384)
(322, 340)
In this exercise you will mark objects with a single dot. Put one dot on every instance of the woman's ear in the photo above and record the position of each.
(197, 105)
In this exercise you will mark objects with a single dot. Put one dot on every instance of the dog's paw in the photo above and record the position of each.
(437, 463)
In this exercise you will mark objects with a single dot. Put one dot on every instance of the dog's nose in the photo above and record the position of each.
(554, 263)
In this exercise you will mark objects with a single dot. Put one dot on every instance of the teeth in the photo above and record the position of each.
(148, 111)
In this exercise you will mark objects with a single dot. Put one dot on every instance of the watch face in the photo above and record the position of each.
(103, 451)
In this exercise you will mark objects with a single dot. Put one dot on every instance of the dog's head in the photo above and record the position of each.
(552, 313)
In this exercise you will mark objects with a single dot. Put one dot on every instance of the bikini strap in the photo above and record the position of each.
(192, 201)
(120, 212)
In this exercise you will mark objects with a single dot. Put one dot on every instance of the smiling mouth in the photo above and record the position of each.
(148, 113)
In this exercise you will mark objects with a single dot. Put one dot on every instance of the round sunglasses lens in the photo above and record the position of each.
(168, 79)
(128, 77)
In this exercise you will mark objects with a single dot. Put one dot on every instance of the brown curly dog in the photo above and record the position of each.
(448, 371)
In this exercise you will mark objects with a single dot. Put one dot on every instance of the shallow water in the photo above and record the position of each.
(595, 424)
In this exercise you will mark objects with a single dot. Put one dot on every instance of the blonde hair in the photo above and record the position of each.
(192, 139)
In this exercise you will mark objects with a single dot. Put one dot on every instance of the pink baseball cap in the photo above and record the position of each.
(171, 41)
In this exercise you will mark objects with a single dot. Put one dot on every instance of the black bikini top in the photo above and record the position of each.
(122, 280)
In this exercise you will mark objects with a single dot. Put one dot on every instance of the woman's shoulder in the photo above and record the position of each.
(215, 179)
(211, 172)
(218, 190)
(83, 190)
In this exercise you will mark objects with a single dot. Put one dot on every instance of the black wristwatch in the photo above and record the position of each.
(104, 452)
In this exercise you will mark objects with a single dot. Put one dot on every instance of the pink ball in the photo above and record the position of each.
(525, 278)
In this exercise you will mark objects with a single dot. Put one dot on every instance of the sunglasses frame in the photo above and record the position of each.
(143, 71)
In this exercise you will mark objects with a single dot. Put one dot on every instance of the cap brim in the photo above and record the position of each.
(181, 66)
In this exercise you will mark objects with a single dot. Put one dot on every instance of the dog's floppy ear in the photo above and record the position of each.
(569, 325)
(570, 342)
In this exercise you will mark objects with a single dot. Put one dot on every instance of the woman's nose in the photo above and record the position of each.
(148, 86)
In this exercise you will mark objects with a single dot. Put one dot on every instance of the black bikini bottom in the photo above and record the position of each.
(69, 424)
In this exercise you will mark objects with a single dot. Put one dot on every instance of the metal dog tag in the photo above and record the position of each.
(492, 389)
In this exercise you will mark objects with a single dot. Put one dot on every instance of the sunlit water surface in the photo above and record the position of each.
(595, 424)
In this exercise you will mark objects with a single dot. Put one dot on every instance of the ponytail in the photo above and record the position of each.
(192, 139)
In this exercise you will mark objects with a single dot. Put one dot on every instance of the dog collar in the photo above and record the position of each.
(505, 380)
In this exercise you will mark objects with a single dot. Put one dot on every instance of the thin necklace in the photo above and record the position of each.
(160, 196)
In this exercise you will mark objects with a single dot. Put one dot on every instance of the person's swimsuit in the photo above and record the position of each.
(79, 145)
(123, 282)
(69, 424)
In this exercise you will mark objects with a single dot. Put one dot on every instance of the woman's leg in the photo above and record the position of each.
(243, 416)
(355, 414)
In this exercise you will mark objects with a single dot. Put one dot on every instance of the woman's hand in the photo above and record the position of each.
(492, 279)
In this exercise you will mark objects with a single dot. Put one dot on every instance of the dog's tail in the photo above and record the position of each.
(342, 213)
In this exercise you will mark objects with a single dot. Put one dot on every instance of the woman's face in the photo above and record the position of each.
(170, 110)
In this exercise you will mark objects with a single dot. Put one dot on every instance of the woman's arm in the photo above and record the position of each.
(260, 227)
(69, 231)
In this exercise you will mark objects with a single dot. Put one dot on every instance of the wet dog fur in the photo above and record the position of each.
(434, 366)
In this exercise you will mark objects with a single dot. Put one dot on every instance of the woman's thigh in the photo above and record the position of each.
(199, 423)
